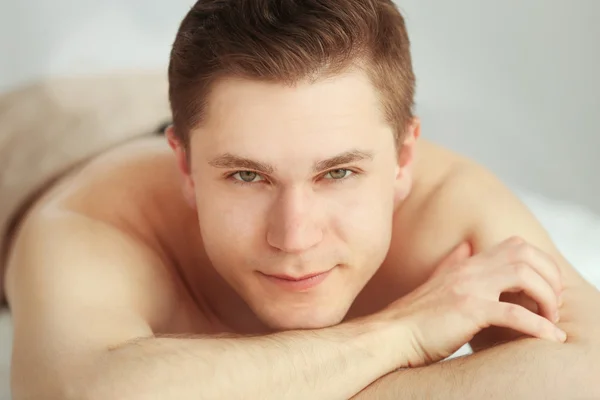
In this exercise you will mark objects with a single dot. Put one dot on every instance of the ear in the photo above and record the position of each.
(406, 158)
(179, 150)
(183, 165)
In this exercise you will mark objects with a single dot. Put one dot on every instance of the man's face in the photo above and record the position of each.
(295, 190)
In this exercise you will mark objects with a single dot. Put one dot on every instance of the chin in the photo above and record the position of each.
(298, 320)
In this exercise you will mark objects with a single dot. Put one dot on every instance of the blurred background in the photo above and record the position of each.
(513, 84)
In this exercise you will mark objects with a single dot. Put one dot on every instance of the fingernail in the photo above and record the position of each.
(561, 335)
(556, 317)
(560, 300)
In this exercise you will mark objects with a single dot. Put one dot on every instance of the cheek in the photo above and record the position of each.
(230, 222)
(231, 240)
(366, 216)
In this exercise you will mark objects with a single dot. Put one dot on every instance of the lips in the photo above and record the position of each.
(296, 279)
(300, 283)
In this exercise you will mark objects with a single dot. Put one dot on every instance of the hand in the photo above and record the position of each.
(462, 297)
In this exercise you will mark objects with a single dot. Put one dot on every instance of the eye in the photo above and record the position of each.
(338, 174)
(247, 176)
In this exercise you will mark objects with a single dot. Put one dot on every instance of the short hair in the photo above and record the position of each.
(287, 42)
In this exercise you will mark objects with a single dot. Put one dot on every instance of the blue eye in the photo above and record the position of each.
(338, 174)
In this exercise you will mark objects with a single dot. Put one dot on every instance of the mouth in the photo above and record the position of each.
(300, 283)
(296, 279)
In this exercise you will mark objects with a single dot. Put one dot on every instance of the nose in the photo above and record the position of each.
(294, 224)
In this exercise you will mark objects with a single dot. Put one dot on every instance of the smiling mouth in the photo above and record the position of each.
(300, 283)
(297, 279)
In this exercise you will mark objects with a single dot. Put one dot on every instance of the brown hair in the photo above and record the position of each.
(287, 41)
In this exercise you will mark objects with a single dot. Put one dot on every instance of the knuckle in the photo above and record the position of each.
(525, 251)
(516, 240)
(522, 271)
(522, 252)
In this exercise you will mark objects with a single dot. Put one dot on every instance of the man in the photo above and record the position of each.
(296, 239)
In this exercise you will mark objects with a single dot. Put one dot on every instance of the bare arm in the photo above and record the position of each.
(522, 369)
(87, 300)
(526, 369)
(334, 363)
(507, 365)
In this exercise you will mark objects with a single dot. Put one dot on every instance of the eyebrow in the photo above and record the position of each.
(231, 161)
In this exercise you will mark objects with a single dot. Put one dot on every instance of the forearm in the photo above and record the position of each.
(521, 369)
(525, 369)
(333, 363)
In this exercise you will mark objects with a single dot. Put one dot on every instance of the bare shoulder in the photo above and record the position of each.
(448, 182)
(454, 191)
(123, 186)
(70, 261)
(472, 204)
(461, 199)
(467, 202)
(96, 236)
(432, 221)
(77, 287)
(456, 200)
(87, 270)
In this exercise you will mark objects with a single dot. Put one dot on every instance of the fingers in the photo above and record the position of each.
(543, 264)
(522, 277)
(513, 316)
(516, 251)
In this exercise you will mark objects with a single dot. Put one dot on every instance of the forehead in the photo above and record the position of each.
(246, 113)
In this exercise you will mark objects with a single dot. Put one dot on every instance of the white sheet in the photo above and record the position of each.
(5, 346)
(575, 230)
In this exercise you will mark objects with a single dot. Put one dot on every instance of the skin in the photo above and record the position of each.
(187, 249)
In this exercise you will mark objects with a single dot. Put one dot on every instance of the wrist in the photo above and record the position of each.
(388, 341)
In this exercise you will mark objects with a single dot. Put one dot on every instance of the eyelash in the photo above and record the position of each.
(354, 173)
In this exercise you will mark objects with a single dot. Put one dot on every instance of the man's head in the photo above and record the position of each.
(293, 128)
